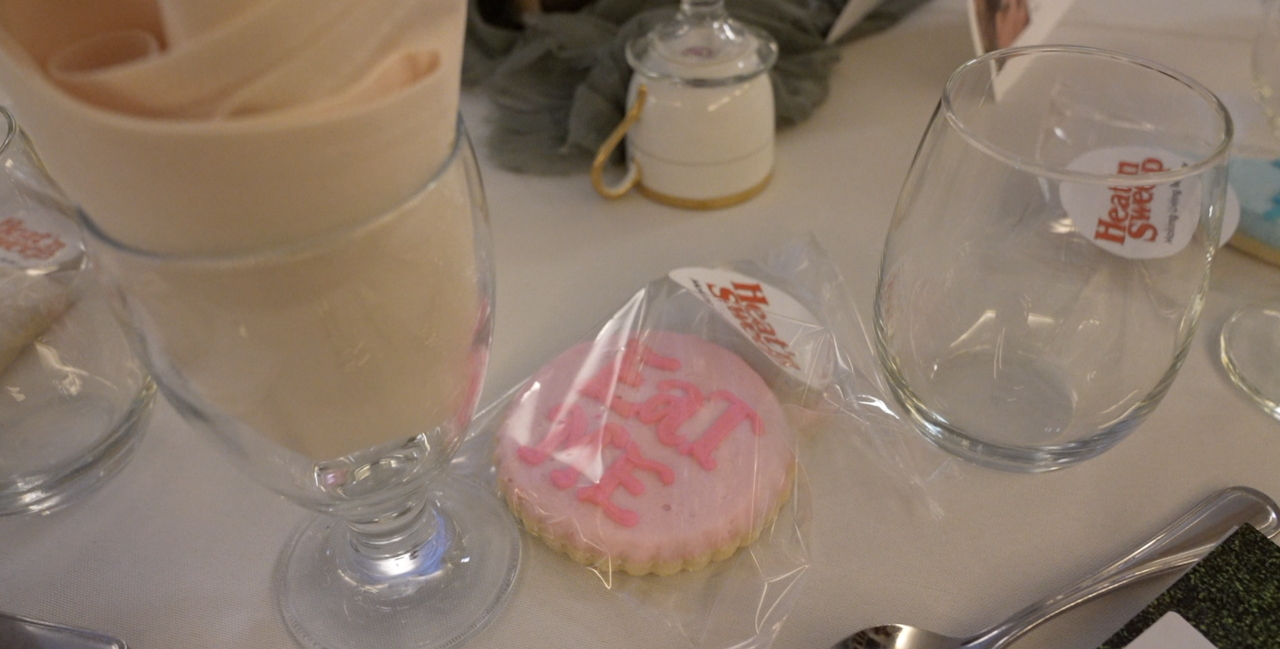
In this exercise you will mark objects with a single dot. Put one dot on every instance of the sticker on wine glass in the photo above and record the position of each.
(1138, 221)
(778, 324)
(36, 240)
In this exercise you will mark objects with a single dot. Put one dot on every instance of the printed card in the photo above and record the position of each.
(1171, 631)
(997, 24)
(1230, 600)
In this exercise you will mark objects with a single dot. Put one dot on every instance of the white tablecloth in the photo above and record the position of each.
(178, 550)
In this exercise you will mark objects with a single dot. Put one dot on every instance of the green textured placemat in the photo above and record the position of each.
(1232, 597)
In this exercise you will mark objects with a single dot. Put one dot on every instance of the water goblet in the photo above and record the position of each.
(1049, 253)
(1249, 344)
(342, 371)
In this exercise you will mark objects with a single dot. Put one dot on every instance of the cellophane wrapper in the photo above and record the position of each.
(588, 475)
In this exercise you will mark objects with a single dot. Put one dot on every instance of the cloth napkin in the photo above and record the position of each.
(201, 127)
(222, 127)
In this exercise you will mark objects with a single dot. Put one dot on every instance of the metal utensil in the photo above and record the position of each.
(1184, 542)
(23, 633)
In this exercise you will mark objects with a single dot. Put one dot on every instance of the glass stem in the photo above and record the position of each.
(703, 10)
(391, 533)
(397, 549)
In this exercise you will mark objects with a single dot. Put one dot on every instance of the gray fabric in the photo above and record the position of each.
(559, 85)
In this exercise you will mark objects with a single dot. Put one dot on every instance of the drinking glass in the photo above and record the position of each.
(1049, 253)
(342, 371)
(1249, 344)
(74, 400)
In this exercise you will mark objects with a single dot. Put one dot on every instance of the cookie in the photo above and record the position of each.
(656, 454)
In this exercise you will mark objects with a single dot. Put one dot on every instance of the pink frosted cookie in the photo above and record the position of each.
(688, 462)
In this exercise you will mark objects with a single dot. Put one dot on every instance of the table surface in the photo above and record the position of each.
(178, 550)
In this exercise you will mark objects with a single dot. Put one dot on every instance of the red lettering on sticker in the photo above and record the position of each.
(27, 243)
(1129, 215)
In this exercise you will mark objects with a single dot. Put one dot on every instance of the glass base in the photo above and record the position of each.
(55, 486)
(1031, 423)
(461, 578)
(1014, 458)
(1250, 351)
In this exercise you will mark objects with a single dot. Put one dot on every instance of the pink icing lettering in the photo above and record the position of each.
(625, 369)
(610, 435)
(620, 474)
(737, 412)
(565, 477)
(568, 425)
(675, 403)
(670, 410)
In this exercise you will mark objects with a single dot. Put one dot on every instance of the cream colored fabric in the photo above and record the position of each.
(205, 127)
(197, 127)
(185, 20)
(332, 349)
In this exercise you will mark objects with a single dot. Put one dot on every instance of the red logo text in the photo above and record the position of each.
(746, 302)
(1129, 216)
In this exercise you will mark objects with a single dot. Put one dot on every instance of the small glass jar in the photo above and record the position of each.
(700, 126)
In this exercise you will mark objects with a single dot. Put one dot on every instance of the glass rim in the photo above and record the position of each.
(286, 249)
(767, 45)
(11, 129)
(1218, 155)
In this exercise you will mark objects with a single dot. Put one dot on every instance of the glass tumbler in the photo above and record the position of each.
(74, 400)
(1049, 253)
(1249, 344)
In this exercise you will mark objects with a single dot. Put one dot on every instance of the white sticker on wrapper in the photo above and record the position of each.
(34, 240)
(1143, 221)
(776, 322)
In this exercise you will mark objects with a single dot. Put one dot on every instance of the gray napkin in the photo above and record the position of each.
(559, 85)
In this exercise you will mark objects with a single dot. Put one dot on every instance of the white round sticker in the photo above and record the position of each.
(1138, 222)
(778, 324)
(34, 240)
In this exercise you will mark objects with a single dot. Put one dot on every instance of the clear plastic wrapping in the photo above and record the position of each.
(664, 450)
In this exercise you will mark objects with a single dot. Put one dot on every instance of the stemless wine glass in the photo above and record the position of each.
(75, 398)
(1050, 251)
(1250, 340)
(342, 372)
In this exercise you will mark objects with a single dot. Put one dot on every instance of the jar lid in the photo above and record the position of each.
(702, 46)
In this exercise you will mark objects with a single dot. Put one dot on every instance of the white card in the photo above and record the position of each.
(854, 11)
(1171, 631)
(997, 24)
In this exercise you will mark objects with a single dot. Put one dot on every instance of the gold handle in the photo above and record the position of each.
(602, 156)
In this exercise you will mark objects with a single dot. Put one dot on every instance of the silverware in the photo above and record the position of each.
(1184, 542)
(23, 633)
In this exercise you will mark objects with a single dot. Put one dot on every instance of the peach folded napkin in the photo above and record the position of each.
(222, 127)
(196, 126)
